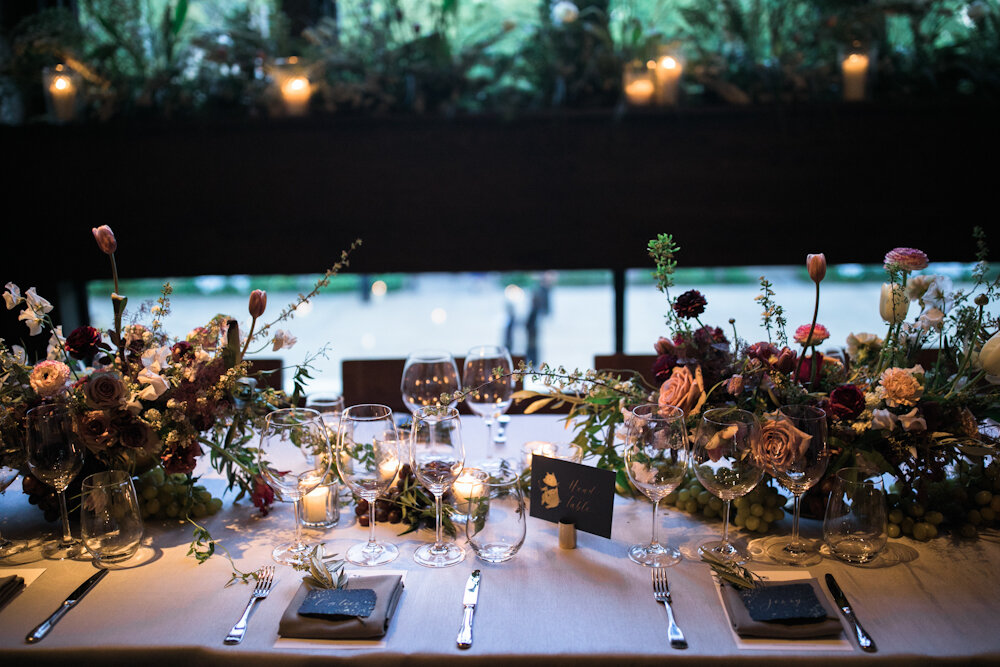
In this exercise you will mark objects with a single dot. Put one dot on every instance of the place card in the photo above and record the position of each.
(791, 603)
(336, 602)
(565, 490)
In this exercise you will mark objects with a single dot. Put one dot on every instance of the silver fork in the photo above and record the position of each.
(265, 579)
(661, 593)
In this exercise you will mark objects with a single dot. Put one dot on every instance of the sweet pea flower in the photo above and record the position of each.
(893, 304)
(35, 302)
(56, 344)
(32, 320)
(157, 358)
(912, 421)
(863, 344)
(12, 296)
(156, 385)
(932, 318)
(940, 294)
(884, 420)
(283, 339)
(816, 265)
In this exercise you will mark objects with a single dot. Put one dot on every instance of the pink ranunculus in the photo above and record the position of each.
(684, 389)
(49, 378)
(819, 334)
(907, 259)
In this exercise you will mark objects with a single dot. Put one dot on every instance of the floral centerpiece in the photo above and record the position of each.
(149, 403)
(918, 403)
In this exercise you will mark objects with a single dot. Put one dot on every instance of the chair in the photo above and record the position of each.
(276, 378)
(640, 363)
(377, 381)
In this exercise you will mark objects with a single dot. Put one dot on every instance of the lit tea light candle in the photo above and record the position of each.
(639, 91)
(63, 94)
(536, 447)
(855, 72)
(668, 78)
(467, 487)
(296, 91)
(388, 468)
(314, 504)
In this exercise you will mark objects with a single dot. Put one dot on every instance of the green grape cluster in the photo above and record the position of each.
(163, 496)
(755, 512)
(967, 503)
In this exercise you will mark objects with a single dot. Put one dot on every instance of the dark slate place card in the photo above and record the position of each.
(338, 602)
(788, 603)
(566, 490)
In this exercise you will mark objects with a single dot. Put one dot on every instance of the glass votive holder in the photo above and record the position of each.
(638, 83)
(292, 86)
(320, 508)
(669, 68)
(855, 526)
(467, 486)
(567, 451)
(856, 72)
(495, 521)
(533, 447)
(62, 88)
(110, 519)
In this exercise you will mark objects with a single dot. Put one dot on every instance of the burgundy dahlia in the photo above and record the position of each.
(263, 495)
(82, 342)
(181, 350)
(846, 402)
(690, 304)
(663, 365)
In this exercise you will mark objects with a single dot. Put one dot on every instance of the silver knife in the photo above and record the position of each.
(468, 610)
(864, 639)
(38, 633)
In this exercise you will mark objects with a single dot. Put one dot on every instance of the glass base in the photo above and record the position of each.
(370, 555)
(654, 555)
(291, 553)
(802, 554)
(445, 555)
(59, 550)
(11, 547)
(727, 552)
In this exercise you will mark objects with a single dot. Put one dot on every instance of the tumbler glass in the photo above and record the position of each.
(855, 526)
(496, 523)
(110, 520)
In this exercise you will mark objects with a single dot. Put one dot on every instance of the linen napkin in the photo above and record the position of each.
(10, 587)
(814, 624)
(388, 588)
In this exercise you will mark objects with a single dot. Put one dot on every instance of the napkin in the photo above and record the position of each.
(387, 587)
(809, 625)
(10, 587)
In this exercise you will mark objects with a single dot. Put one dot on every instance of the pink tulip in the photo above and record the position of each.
(258, 302)
(105, 239)
(816, 264)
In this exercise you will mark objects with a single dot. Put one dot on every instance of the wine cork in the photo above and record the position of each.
(567, 534)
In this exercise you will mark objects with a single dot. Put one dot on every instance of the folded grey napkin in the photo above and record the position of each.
(9, 587)
(790, 628)
(387, 587)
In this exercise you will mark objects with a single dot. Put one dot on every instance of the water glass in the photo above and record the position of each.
(110, 520)
(855, 526)
(320, 508)
(496, 525)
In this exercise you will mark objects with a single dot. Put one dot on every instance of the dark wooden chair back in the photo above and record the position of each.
(641, 363)
(274, 379)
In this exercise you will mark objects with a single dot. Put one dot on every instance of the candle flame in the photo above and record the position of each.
(668, 62)
(60, 83)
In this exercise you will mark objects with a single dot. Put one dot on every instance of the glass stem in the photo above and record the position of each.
(489, 435)
(656, 512)
(67, 535)
(297, 544)
(795, 523)
(438, 540)
(371, 523)
(725, 525)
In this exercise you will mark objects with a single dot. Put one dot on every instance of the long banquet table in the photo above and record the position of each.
(929, 602)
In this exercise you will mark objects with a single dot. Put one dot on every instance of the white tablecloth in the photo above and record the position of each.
(590, 605)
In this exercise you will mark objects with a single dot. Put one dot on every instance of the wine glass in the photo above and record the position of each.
(723, 461)
(368, 460)
(426, 375)
(11, 455)
(436, 458)
(793, 448)
(330, 406)
(490, 397)
(55, 456)
(294, 458)
(656, 458)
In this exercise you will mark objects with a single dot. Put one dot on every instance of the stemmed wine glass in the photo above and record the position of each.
(368, 427)
(724, 462)
(656, 458)
(793, 448)
(330, 406)
(426, 375)
(490, 397)
(55, 456)
(11, 455)
(436, 458)
(294, 458)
